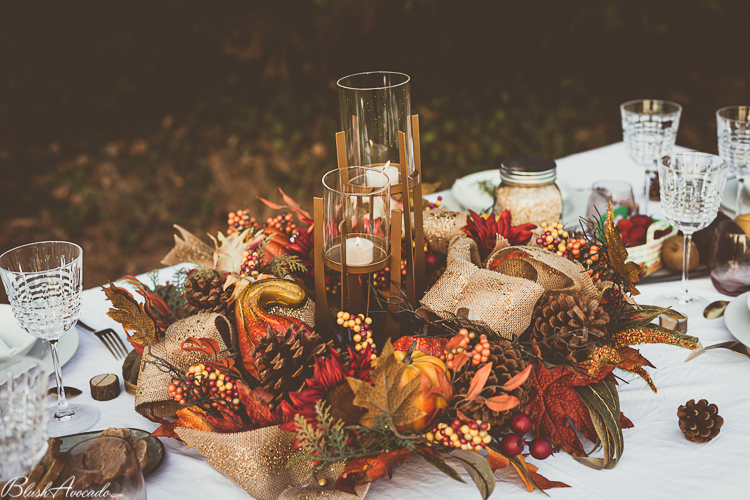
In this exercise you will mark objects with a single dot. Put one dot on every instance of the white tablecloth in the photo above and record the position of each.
(658, 461)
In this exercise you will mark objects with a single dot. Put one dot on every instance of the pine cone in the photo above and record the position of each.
(566, 325)
(506, 364)
(699, 421)
(285, 361)
(205, 293)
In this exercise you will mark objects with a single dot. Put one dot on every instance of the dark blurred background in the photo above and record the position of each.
(118, 120)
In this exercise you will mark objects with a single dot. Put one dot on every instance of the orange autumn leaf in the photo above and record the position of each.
(370, 468)
(540, 480)
(631, 358)
(497, 460)
(191, 418)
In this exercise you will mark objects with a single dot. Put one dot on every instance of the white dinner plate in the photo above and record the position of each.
(737, 318)
(66, 348)
(729, 196)
(12, 335)
(471, 194)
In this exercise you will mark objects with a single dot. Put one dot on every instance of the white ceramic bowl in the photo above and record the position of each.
(14, 341)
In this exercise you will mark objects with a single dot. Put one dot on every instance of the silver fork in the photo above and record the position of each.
(110, 339)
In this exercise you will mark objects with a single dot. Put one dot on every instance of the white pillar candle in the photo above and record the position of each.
(359, 251)
(375, 180)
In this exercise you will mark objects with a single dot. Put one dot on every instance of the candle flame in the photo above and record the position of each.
(386, 164)
(356, 241)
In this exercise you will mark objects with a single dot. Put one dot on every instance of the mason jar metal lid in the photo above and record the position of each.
(530, 170)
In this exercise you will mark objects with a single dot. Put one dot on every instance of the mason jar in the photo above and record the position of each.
(527, 188)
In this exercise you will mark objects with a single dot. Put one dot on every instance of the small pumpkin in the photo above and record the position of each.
(429, 368)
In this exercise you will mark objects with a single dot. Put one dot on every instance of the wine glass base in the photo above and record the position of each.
(680, 302)
(84, 418)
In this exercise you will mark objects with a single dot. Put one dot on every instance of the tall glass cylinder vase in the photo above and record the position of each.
(376, 119)
(356, 205)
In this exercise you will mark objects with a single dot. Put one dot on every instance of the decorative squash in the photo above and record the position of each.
(429, 368)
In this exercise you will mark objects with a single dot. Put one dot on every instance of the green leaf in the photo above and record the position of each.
(446, 469)
(603, 404)
(479, 470)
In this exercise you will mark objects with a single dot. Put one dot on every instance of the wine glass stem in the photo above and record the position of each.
(686, 244)
(63, 410)
(740, 187)
(646, 189)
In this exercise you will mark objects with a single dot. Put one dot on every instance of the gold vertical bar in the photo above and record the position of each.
(392, 326)
(402, 152)
(322, 316)
(341, 158)
(345, 229)
(420, 278)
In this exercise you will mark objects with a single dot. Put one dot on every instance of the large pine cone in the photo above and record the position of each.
(699, 421)
(285, 361)
(205, 293)
(506, 364)
(567, 325)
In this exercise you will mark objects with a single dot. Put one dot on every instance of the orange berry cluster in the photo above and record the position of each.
(359, 330)
(282, 222)
(474, 436)
(477, 352)
(204, 382)
(239, 221)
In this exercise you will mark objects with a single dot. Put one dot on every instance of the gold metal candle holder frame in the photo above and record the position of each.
(410, 189)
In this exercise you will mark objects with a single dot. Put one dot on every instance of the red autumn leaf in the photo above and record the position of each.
(555, 401)
(631, 358)
(271, 204)
(256, 405)
(225, 423)
(478, 381)
(518, 380)
(371, 468)
(443, 388)
(206, 346)
(454, 342)
(502, 402)
(625, 422)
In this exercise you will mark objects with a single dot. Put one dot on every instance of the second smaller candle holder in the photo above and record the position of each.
(355, 232)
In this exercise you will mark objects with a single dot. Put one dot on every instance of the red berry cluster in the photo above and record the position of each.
(204, 382)
(513, 443)
(633, 230)
(477, 351)
(250, 264)
(434, 205)
(473, 436)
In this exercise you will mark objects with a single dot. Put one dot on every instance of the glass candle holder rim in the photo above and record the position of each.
(379, 190)
(733, 120)
(95, 438)
(74, 245)
(612, 182)
(677, 110)
(406, 81)
(665, 161)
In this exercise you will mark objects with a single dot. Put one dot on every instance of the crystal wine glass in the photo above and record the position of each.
(23, 415)
(43, 283)
(733, 133)
(649, 129)
(691, 184)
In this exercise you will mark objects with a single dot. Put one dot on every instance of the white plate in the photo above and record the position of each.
(12, 335)
(737, 318)
(469, 192)
(729, 196)
(66, 348)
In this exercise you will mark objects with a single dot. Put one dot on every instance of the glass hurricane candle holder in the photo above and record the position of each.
(377, 123)
(356, 205)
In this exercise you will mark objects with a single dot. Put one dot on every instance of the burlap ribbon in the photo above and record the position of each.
(256, 460)
(504, 296)
(152, 398)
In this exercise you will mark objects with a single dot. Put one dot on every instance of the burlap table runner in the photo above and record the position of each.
(152, 398)
(256, 460)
